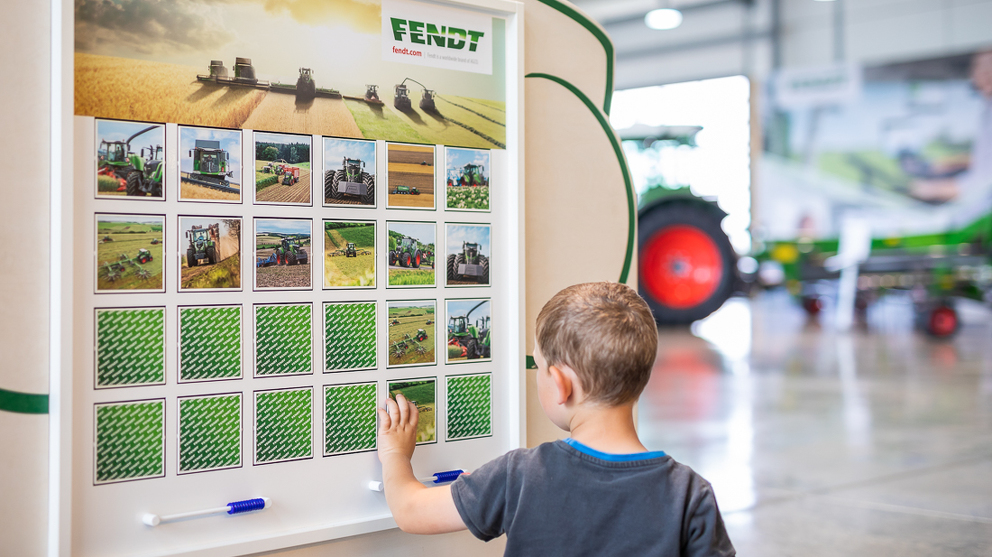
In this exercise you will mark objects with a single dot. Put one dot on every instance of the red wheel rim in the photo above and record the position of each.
(418, 260)
(681, 266)
(943, 321)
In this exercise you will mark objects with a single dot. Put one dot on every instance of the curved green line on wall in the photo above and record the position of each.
(618, 150)
(604, 40)
(23, 403)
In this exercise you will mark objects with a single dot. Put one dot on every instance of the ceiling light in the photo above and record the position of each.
(663, 19)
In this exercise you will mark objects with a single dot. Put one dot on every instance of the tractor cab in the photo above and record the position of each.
(472, 175)
(471, 251)
(288, 243)
(401, 100)
(116, 152)
(458, 325)
(372, 92)
(427, 100)
(353, 169)
(198, 237)
(408, 243)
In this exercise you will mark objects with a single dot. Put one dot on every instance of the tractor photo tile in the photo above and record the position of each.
(349, 336)
(409, 176)
(469, 248)
(282, 168)
(349, 254)
(349, 418)
(349, 172)
(282, 254)
(411, 332)
(466, 179)
(210, 253)
(469, 326)
(283, 425)
(129, 441)
(210, 165)
(209, 432)
(130, 160)
(469, 406)
(423, 393)
(210, 342)
(410, 259)
(130, 347)
(129, 253)
(283, 340)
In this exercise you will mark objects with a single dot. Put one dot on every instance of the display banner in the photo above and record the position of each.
(436, 36)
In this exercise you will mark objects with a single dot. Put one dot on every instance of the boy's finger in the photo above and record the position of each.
(394, 411)
(384, 421)
(414, 414)
(404, 408)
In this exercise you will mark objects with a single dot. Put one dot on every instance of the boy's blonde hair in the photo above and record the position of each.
(606, 333)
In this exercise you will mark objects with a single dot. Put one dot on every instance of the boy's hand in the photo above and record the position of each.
(397, 428)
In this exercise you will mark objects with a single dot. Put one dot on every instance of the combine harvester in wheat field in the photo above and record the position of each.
(244, 76)
(211, 166)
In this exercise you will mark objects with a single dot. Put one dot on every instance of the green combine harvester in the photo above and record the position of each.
(211, 166)
(244, 76)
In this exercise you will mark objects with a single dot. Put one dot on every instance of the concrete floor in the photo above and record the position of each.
(877, 442)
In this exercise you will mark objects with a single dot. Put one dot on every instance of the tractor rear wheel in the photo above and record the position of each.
(190, 258)
(472, 349)
(212, 255)
(369, 181)
(416, 260)
(335, 182)
(451, 268)
(134, 183)
(392, 258)
(484, 277)
(291, 259)
(405, 259)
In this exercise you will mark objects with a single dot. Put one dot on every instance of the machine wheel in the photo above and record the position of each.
(291, 259)
(943, 321)
(190, 259)
(335, 180)
(472, 349)
(405, 259)
(686, 267)
(212, 255)
(416, 260)
(392, 258)
(369, 181)
(484, 277)
(157, 189)
(134, 183)
(451, 268)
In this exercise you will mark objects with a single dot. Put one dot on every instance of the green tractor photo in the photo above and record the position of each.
(141, 174)
(351, 179)
(407, 254)
(470, 175)
(290, 252)
(306, 87)
(202, 245)
(473, 340)
(211, 166)
(468, 264)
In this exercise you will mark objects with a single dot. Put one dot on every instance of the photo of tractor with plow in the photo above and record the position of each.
(282, 258)
(121, 171)
(468, 340)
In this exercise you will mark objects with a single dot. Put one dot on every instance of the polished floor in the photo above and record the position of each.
(876, 442)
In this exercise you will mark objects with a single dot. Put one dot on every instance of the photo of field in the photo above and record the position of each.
(467, 179)
(282, 254)
(121, 149)
(410, 259)
(410, 173)
(129, 252)
(423, 392)
(282, 168)
(349, 172)
(411, 333)
(210, 249)
(469, 323)
(349, 254)
(209, 164)
(468, 254)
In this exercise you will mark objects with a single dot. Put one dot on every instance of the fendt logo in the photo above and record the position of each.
(431, 34)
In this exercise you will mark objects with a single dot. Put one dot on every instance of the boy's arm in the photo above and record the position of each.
(417, 509)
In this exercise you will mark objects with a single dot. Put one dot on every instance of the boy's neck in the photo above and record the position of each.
(608, 429)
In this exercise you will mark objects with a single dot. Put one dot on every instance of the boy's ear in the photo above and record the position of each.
(563, 384)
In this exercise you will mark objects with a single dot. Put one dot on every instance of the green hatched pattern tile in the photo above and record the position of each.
(209, 432)
(349, 336)
(469, 406)
(129, 441)
(130, 347)
(349, 418)
(210, 343)
(283, 425)
(283, 340)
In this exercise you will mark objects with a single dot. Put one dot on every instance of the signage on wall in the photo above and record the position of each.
(436, 36)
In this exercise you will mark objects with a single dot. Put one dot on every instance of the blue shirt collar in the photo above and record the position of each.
(610, 457)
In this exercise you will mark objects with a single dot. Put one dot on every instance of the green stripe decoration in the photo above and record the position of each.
(23, 403)
(283, 425)
(283, 340)
(618, 151)
(130, 441)
(209, 433)
(130, 347)
(349, 336)
(209, 343)
(349, 418)
(530, 362)
(470, 406)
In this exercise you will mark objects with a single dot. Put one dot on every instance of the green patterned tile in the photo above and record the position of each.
(283, 425)
(349, 336)
(209, 343)
(470, 406)
(349, 418)
(283, 340)
(130, 441)
(130, 347)
(209, 432)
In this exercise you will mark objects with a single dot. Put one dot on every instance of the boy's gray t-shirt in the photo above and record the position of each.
(557, 500)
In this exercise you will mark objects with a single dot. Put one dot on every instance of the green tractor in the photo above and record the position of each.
(210, 165)
(202, 244)
(406, 254)
(144, 256)
(306, 87)
(471, 175)
(141, 173)
(351, 179)
(474, 340)
(290, 252)
(350, 250)
(469, 264)
(421, 335)
(401, 100)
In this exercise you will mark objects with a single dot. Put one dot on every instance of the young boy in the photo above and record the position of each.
(600, 492)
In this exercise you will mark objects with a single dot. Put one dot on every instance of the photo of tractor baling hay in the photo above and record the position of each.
(469, 326)
(130, 159)
(349, 172)
(349, 254)
(282, 169)
(129, 253)
(467, 179)
(210, 249)
(410, 176)
(423, 393)
(282, 254)
(209, 164)
(468, 252)
(410, 258)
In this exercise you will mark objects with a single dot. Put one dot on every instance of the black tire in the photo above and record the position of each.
(415, 259)
(291, 259)
(157, 189)
(700, 216)
(459, 260)
(134, 183)
(392, 258)
(472, 349)
(451, 268)
(212, 255)
(190, 259)
(405, 259)
(484, 277)
(305, 258)
(328, 185)
(369, 181)
(335, 180)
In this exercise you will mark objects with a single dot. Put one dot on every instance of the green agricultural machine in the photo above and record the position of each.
(290, 252)
(406, 190)
(202, 244)
(139, 174)
(244, 72)
(372, 94)
(406, 254)
(468, 264)
(306, 88)
(470, 175)
(350, 250)
(351, 179)
(474, 340)
(401, 98)
(211, 166)
(115, 270)
(427, 100)
(421, 335)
